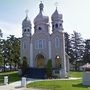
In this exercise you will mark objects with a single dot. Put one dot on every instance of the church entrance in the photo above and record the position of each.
(40, 61)
(57, 62)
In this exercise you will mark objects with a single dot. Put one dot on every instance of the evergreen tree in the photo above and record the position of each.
(68, 47)
(24, 65)
(49, 68)
(67, 43)
(77, 46)
(86, 56)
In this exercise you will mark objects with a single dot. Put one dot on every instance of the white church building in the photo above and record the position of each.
(41, 46)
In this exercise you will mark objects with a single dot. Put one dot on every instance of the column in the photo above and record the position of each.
(63, 70)
(31, 55)
(49, 46)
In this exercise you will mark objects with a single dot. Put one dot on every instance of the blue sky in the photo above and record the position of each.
(76, 15)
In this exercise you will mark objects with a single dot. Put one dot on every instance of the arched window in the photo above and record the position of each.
(24, 45)
(56, 25)
(53, 26)
(28, 30)
(60, 24)
(24, 30)
(57, 42)
(39, 28)
(39, 44)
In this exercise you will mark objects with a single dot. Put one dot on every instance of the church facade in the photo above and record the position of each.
(42, 46)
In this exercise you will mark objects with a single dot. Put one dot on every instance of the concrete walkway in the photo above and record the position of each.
(17, 85)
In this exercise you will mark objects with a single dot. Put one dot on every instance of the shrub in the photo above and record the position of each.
(24, 65)
(49, 68)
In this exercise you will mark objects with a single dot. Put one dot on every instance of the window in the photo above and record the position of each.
(36, 44)
(39, 28)
(24, 45)
(39, 44)
(24, 30)
(56, 71)
(28, 30)
(57, 42)
(60, 24)
(53, 26)
(56, 25)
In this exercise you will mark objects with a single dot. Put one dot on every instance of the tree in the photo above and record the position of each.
(14, 50)
(67, 43)
(1, 58)
(86, 56)
(1, 34)
(49, 68)
(68, 47)
(11, 51)
(24, 65)
(5, 52)
(77, 45)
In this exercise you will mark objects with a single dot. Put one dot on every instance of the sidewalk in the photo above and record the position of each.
(17, 85)
(14, 86)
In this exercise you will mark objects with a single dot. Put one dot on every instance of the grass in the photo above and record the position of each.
(76, 74)
(61, 84)
(12, 76)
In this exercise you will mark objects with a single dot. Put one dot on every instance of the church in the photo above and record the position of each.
(42, 46)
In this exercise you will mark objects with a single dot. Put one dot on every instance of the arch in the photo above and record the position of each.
(58, 61)
(39, 28)
(56, 25)
(40, 61)
(25, 30)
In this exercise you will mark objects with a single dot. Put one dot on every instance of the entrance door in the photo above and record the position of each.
(40, 61)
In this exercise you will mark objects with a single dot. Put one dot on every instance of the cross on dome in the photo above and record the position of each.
(26, 11)
(41, 6)
(56, 4)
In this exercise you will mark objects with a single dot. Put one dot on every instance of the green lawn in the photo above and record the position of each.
(76, 74)
(61, 84)
(12, 76)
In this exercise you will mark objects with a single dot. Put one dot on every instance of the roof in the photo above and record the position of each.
(86, 66)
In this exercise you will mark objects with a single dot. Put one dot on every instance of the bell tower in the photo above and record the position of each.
(26, 38)
(26, 26)
(57, 22)
(59, 39)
